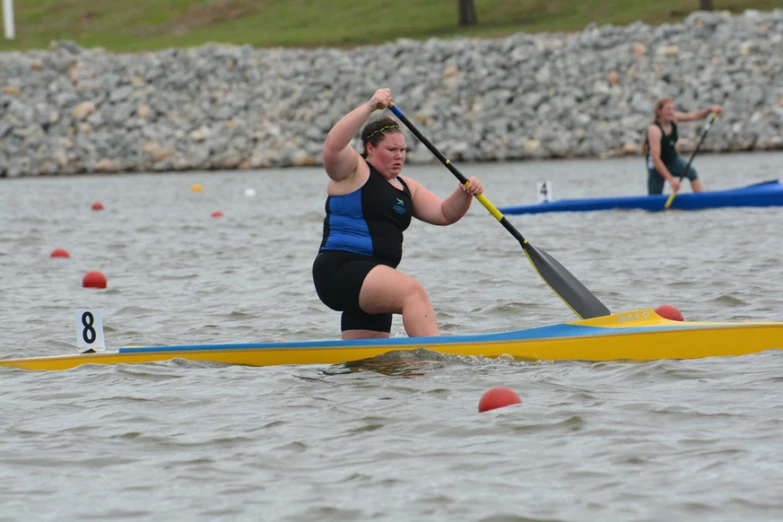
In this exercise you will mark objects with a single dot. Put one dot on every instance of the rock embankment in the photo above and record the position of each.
(70, 110)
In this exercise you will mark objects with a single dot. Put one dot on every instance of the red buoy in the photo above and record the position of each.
(60, 252)
(94, 279)
(498, 398)
(217, 213)
(669, 312)
(97, 205)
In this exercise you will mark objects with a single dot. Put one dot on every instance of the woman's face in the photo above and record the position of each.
(667, 111)
(389, 155)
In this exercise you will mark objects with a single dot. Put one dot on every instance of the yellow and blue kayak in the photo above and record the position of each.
(766, 194)
(637, 335)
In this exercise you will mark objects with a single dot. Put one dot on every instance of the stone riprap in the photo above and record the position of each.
(70, 110)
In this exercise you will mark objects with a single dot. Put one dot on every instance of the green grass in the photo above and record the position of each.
(134, 25)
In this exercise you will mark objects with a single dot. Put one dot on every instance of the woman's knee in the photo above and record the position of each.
(415, 291)
(407, 289)
(387, 291)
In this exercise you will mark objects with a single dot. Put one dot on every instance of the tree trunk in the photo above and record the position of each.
(467, 12)
(705, 5)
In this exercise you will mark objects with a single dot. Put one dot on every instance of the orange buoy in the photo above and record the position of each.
(217, 213)
(94, 279)
(97, 205)
(669, 312)
(60, 252)
(196, 188)
(498, 398)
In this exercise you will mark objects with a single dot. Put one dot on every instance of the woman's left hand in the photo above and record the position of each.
(474, 187)
(717, 109)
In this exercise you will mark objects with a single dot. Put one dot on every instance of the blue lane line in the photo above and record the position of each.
(544, 332)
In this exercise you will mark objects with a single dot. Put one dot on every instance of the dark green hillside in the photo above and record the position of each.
(129, 25)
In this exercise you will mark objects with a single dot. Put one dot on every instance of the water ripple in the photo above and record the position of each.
(396, 437)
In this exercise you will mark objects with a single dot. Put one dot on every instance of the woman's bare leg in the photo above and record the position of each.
(386, 290)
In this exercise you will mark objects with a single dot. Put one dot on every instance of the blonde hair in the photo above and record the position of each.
(656, 113)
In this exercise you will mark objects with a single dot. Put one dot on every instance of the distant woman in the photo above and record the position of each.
(368, 207)
(663, 162)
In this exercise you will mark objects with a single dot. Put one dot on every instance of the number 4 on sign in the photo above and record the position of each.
(89, 331)
(545, 192)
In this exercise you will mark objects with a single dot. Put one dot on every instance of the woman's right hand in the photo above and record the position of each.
(675, 184)
(381, 99)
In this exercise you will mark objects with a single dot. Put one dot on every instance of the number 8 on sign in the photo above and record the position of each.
(89, 331)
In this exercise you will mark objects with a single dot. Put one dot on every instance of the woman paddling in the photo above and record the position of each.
(663, 162)
(368, 207)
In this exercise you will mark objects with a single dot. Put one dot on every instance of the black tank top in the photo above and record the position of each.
(668, 149)
(369, 220)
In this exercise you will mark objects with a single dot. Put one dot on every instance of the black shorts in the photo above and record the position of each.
(656, 182)
(338, 278)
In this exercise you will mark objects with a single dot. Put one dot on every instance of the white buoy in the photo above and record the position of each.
(250, 192)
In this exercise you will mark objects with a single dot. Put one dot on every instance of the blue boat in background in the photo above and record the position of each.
(766, 194)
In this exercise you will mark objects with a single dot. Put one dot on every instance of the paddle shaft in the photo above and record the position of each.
(457, 174)
(567, 287)
(707, 127)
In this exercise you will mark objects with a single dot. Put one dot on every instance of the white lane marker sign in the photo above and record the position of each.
(89, 331)
(544, 189)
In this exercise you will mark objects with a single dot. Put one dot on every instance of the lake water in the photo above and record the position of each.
(397, 438)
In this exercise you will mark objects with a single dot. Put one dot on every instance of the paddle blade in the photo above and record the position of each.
(573, 293)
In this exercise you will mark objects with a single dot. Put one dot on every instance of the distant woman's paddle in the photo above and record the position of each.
(573, 293)
(713, 117)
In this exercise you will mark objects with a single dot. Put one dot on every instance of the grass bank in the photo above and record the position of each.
(134, 25)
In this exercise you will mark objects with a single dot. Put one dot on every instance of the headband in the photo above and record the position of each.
(381, 130)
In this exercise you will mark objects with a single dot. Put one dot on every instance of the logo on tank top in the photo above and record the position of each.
(399, 207)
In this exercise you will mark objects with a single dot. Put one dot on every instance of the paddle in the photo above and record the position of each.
(573, 293)
(685, 171)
